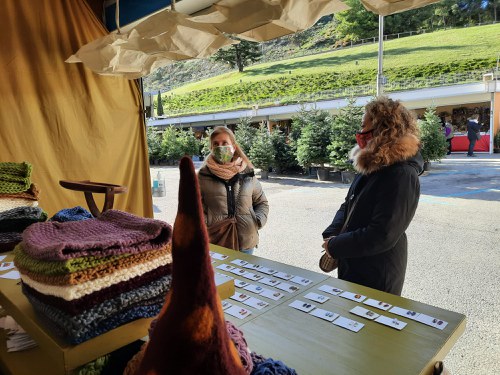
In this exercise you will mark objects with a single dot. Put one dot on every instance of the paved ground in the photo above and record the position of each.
(454, 243)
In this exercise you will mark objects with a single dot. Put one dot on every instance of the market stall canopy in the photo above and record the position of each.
(388, 7)
(169, 36)
(263, 20)
(159, 40)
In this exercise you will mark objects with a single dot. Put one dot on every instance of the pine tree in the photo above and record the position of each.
(344, 127)
(239, 55)
(434, 146)
(245, 134)
(262, 152)
(154, 143)
(159, 105)
(314, 137)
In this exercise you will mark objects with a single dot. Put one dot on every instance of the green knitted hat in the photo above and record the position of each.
(15, 177)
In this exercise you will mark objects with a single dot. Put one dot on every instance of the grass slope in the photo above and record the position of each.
(426, 55)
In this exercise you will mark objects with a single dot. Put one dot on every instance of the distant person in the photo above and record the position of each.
(229, 189)
(448, 133)
(473, 133)
(367, 235)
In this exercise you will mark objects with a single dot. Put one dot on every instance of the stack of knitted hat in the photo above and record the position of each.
(87, 277)
(190, 335)
(18, 203)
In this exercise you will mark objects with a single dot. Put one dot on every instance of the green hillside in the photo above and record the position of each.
(474, 49)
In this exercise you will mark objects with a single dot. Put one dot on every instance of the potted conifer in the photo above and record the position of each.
(262, 151)
(434, 146)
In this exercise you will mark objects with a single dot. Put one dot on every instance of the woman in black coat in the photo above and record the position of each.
(367, 236)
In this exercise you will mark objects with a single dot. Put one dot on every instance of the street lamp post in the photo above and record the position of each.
(380, 73)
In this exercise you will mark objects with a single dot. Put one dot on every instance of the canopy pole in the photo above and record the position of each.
(380, 72)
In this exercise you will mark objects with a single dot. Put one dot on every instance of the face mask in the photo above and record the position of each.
(362, 138)
(223, 154)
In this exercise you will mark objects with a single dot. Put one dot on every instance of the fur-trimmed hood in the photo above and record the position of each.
(376, 156)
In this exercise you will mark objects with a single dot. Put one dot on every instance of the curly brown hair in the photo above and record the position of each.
(391, 120)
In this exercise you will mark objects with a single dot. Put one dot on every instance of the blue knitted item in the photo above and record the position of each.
(71, 214)
(270, 367)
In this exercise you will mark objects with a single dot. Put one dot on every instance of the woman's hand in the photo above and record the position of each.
(325, 244)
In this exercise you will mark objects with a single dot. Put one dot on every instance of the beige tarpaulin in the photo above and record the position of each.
(68, 122)
(159, 40)
(262, 20)
(387, 7)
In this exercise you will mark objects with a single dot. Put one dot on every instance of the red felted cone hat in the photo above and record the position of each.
(190, 336)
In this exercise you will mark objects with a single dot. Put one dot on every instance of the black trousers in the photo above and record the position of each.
(472, 143)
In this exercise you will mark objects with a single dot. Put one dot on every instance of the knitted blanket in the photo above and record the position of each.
(97, 272)
(17, 219)
(31, 194)
(79, 305)
(149, 294)
(114, 232)
(14, 177)
(71, 214)
(10, 203)
(9, 240)
(77, 337)
(72, 292)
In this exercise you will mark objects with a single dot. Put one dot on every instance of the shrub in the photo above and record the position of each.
(154, 143)
(434, 146)
(172, 149)
(189, 143)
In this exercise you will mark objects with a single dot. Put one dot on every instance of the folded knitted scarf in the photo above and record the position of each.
(50, 267)
(112, 322)
(14, 177)
(79, 290)
(145, 295)
(10, 203)
(77, 306)
(114, 232)
(71, 214)
(93, 273)
(31, 194)
(8, 240)
(17, 219)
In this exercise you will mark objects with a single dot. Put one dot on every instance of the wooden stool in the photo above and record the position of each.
(89, 187)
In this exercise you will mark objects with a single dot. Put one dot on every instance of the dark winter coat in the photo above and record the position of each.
(249, 206)
(380, 204)
(472, 128)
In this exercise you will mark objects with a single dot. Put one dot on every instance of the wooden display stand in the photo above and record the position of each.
(314, 346)
(53, 355)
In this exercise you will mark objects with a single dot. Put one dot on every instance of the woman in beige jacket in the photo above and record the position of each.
(229, 188)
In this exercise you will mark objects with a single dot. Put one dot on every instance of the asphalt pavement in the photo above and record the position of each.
(454, 242)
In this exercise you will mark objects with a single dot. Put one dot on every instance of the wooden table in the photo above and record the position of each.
(53, 353)
(314, 346)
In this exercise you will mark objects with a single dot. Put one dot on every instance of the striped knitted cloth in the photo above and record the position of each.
(149, 294)
(50, 267)
(10, 203)
(14, 177)
(8, 240)
(114, 232)
(96, 272)
(77, 306)
(112, 322)
(79, 290)
(100, 270)
(17, 219)
(71, 214)
(32, 193)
